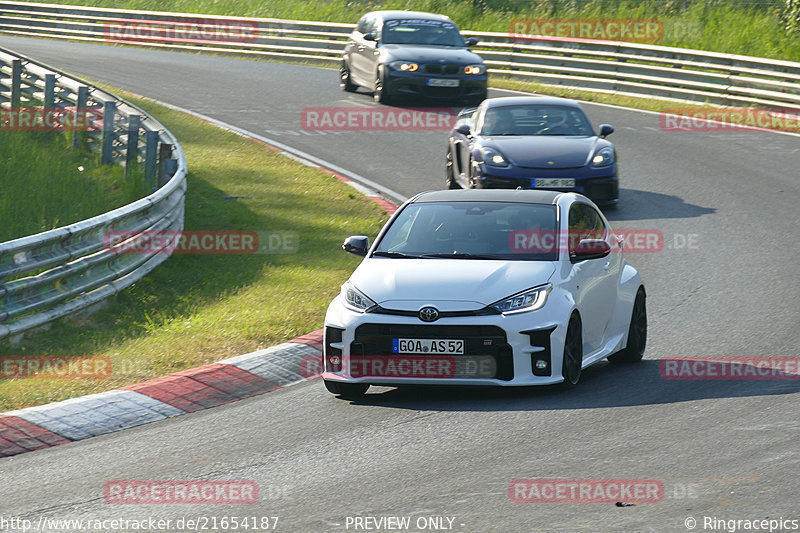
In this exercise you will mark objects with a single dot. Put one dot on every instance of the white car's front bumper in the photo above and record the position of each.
(358, 348)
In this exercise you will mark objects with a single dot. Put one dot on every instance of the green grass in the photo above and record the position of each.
(46, 184)
(734, 26)
(196, 309)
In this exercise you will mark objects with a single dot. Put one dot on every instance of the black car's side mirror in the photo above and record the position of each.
(464, 129)
(606, 130)
(590, 249)
(472, 41)
(370, 37)
(356, 245)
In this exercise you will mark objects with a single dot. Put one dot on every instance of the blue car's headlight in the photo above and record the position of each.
(603, 157)
(405, 66)
(529, 300)
(475, 69)
(355, 299)
(493, 158)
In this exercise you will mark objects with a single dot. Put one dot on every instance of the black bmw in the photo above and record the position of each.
(412, 54)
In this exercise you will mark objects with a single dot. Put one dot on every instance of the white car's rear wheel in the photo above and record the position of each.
(637, 333)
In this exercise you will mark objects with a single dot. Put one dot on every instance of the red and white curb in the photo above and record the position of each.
(183, 392)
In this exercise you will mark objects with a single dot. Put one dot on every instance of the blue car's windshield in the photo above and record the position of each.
(472, 230)
(535, 119)
(421, 31)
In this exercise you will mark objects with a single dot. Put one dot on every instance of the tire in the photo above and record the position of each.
(449, 173)
(379, 94)
(348, 391)
(637, 332)
(344, 80)
(573, 353)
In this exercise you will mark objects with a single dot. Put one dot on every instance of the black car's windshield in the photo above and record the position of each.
(472, 230)
(421, 31)
(535, 119)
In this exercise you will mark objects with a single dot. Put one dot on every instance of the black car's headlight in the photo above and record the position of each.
(354, 299)
(405, 66)
(475, 69)
(493, 158)
(529, 300)
(603, 157)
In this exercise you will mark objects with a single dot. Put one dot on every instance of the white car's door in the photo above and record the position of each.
(596, 279)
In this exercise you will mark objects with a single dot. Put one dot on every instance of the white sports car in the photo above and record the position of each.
(484, 287)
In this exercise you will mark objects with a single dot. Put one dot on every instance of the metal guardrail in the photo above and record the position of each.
(605, 66)
(55, 273)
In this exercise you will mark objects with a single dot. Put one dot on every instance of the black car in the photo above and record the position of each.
(413, 54)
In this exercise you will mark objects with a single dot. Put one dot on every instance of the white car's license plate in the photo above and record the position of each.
(556, 183)
(428, 346)
(438, 82)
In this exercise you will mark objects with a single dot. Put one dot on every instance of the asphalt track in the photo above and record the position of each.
(722, 449)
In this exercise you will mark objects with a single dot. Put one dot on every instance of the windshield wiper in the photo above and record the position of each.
(460, 255)
(396, 255)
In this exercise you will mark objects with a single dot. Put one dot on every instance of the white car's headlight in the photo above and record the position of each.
(603, 157)
(493, 157)
(355, 299)
(475, 69)
(529, 300)
(405, 66)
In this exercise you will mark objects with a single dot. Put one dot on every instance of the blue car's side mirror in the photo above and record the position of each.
(472, 41)
(606, 130)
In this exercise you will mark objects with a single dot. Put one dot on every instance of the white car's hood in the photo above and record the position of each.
(448, 284)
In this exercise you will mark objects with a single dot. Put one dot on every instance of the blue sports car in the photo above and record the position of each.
(533, 142)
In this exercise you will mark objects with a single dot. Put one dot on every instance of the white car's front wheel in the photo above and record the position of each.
(573, 353)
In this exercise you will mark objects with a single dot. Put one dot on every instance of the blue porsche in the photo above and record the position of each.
(533, 142)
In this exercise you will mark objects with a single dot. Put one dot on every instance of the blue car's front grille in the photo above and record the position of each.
(440, 69)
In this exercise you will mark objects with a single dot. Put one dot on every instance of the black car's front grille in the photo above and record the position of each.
(602, 190)
(442, 92)
(441, 69)
(377, 340)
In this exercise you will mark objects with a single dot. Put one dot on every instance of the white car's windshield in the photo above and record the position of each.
(472, 230)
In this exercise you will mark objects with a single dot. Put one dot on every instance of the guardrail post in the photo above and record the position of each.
(132, 148)
(16, 83)
(164, 154)
(151, 156)
(80, 115)
(109, 115)
(49, 91)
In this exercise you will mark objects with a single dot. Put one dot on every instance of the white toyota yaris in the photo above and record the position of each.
(484, 287)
